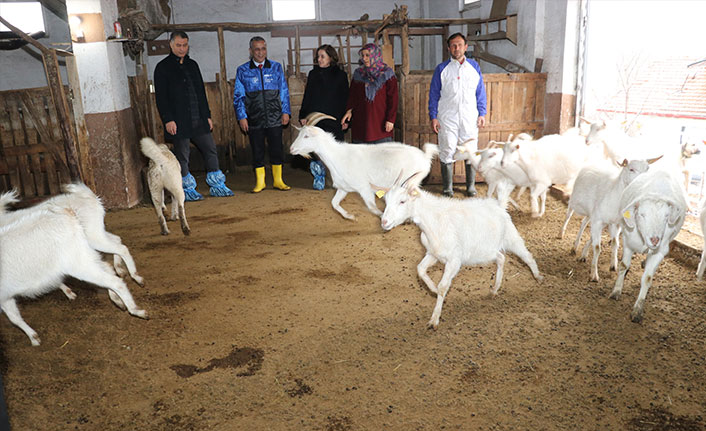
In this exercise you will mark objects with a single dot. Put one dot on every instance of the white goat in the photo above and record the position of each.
(552, 159)
(702, 264)
(39, 249)
(78, 198)
(164, 172)
(455, 232)
(653, 208)
(596, 194)
(354, 167)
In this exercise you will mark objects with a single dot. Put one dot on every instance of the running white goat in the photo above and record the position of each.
(653, 208)
(41, 248)
(164, 172)
(79, 199)
(455, 232)
(702, 264)
(354, 167)
(596, 196)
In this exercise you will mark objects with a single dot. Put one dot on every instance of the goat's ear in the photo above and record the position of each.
(298, 128)
(585, 120)
(629, 216)
(674, 214)
(650, 161)
(623, 164)
(379, 191)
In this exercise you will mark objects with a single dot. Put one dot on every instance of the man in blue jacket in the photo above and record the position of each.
(457, 108)
(182, 105)
(261, 102)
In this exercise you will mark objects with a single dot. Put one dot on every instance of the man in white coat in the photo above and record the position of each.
(457, 108)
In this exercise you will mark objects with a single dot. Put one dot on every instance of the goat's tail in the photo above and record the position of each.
(80, 190)
(8, 198)
(431, 151)
(151, 150)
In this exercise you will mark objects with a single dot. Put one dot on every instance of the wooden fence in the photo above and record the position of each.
(32, 157)
(515, 105)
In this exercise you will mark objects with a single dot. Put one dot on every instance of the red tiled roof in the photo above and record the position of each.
(666, 88)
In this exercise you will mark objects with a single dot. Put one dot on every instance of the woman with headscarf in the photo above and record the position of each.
(327, 92)
(372, 99)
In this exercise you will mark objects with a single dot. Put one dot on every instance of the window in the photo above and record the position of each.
(27, 16)
(469, 4)
(291, 10)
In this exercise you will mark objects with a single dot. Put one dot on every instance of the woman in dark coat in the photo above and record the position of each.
(327, 92)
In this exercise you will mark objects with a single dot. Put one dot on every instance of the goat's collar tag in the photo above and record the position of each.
(627, 214)
(380, 193)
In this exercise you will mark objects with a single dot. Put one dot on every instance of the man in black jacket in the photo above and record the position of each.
(182, 105)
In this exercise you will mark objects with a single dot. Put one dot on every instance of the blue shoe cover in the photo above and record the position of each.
(319, 171)
(217, 181)
(189, 184)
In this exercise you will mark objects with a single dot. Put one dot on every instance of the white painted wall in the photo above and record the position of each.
(101, 65)
(23, 68)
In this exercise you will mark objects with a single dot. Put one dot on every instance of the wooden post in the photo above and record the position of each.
(51, 67)
(297, 49)
(223, 91)
(348, 53)
(80, 121)
(444, 46)
(404, 36)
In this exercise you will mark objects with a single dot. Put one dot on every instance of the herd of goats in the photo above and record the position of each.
(616, 181)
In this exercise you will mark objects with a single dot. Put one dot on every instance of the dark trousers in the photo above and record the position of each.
(206, 146)
(274, 144)
(4, 419)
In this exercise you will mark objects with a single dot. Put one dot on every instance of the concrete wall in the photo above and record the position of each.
(23, 68)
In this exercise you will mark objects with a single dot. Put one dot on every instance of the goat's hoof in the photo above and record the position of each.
(186, 231)
(34, 339)
(432, 325)
(615, 295)
(636, 316)
(165, 232)
(612, 268)
(539, 278)
(142, 314)
(139, 280)
(582, 259)
(595, 279)
(536, 215)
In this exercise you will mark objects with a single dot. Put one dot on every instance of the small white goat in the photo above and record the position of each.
(653, 208)
(354, 167)
(79, 199)
(38, 250)
(596, 194)
(702, 264)
(455, 232)
(499, 185)
(164, 172)
(552, 159)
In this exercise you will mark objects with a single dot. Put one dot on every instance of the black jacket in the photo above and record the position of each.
(172, 96)
(326, 91)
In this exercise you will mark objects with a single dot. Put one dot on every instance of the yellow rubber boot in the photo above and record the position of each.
(277, 177)
(260, 179)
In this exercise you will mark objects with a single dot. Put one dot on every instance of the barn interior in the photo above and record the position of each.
(317, 322)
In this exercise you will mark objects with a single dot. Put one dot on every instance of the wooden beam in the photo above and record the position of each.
(367, 24)
(498, 35)
(50, 143)
(297, 52)
(223, 89)
(24, 36)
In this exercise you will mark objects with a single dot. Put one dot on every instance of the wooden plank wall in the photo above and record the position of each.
(515, 105)
(32, 158)
(233, 145)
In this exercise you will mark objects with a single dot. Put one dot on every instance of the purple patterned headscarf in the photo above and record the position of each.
(374, 76)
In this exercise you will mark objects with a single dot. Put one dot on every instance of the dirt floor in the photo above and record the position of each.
(278, 314)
